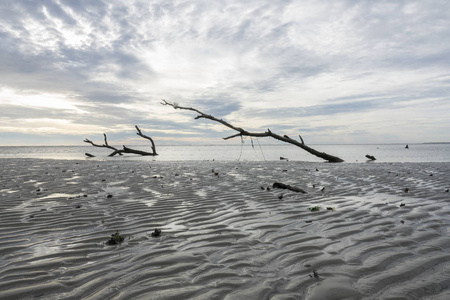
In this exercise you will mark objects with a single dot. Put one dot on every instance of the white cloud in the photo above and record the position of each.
(338, 65)
(39, 100)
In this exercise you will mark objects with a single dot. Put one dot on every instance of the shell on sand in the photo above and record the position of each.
(223, 237)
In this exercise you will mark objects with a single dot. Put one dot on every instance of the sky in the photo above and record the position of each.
(331, 71)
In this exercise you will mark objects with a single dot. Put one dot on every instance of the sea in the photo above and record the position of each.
(427, 152)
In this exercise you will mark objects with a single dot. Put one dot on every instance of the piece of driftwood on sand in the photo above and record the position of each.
(279, 185)
(124, 149)
(268, 133)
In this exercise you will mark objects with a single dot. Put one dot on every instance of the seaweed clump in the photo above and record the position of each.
(115, 239)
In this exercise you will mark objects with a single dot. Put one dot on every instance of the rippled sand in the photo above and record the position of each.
(385, 234)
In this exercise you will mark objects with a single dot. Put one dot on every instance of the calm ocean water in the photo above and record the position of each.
(244, 152)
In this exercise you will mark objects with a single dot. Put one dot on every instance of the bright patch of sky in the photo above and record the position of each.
(339, 71)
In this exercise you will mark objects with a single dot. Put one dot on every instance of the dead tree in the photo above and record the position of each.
(243, 132)
(126, 149)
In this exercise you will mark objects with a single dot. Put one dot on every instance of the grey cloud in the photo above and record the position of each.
(219, 105)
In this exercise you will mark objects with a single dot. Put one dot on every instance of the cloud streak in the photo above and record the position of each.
(335, 71)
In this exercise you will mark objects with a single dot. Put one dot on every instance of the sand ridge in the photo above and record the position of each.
(226, 233)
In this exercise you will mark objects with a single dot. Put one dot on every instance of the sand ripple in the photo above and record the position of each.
(226, 234)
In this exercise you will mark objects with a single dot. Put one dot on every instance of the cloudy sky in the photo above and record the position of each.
(333, 71)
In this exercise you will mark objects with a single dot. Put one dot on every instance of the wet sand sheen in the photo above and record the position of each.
(224, 234)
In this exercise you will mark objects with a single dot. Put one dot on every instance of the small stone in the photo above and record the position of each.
(156, 232)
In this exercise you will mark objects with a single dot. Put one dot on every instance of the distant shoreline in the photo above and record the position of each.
(218, 144)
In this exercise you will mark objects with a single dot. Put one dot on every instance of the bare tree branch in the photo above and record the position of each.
(139, 132)
(126, 149)
(105, 145)
(268, 133)
(301, 138)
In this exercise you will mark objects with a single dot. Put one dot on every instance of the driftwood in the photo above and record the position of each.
(279, 185)
(268, 133)
(125, 149)
(89, 155)
(105, 145)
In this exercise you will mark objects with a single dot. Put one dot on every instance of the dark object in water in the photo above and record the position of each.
(371, 157)
(446, 190)
(156, 232)
(406, 190)
(280, 196)
(279, 185)
(109, 196)
(406, 147)
(284, 158)
(89, 155)
(115, 239)
(402, 204)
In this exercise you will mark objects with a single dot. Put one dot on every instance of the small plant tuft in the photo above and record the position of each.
(115, 239)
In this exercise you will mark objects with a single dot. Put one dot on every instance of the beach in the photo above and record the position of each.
(360, 231)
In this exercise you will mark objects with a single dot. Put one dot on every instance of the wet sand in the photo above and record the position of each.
(369, 230)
